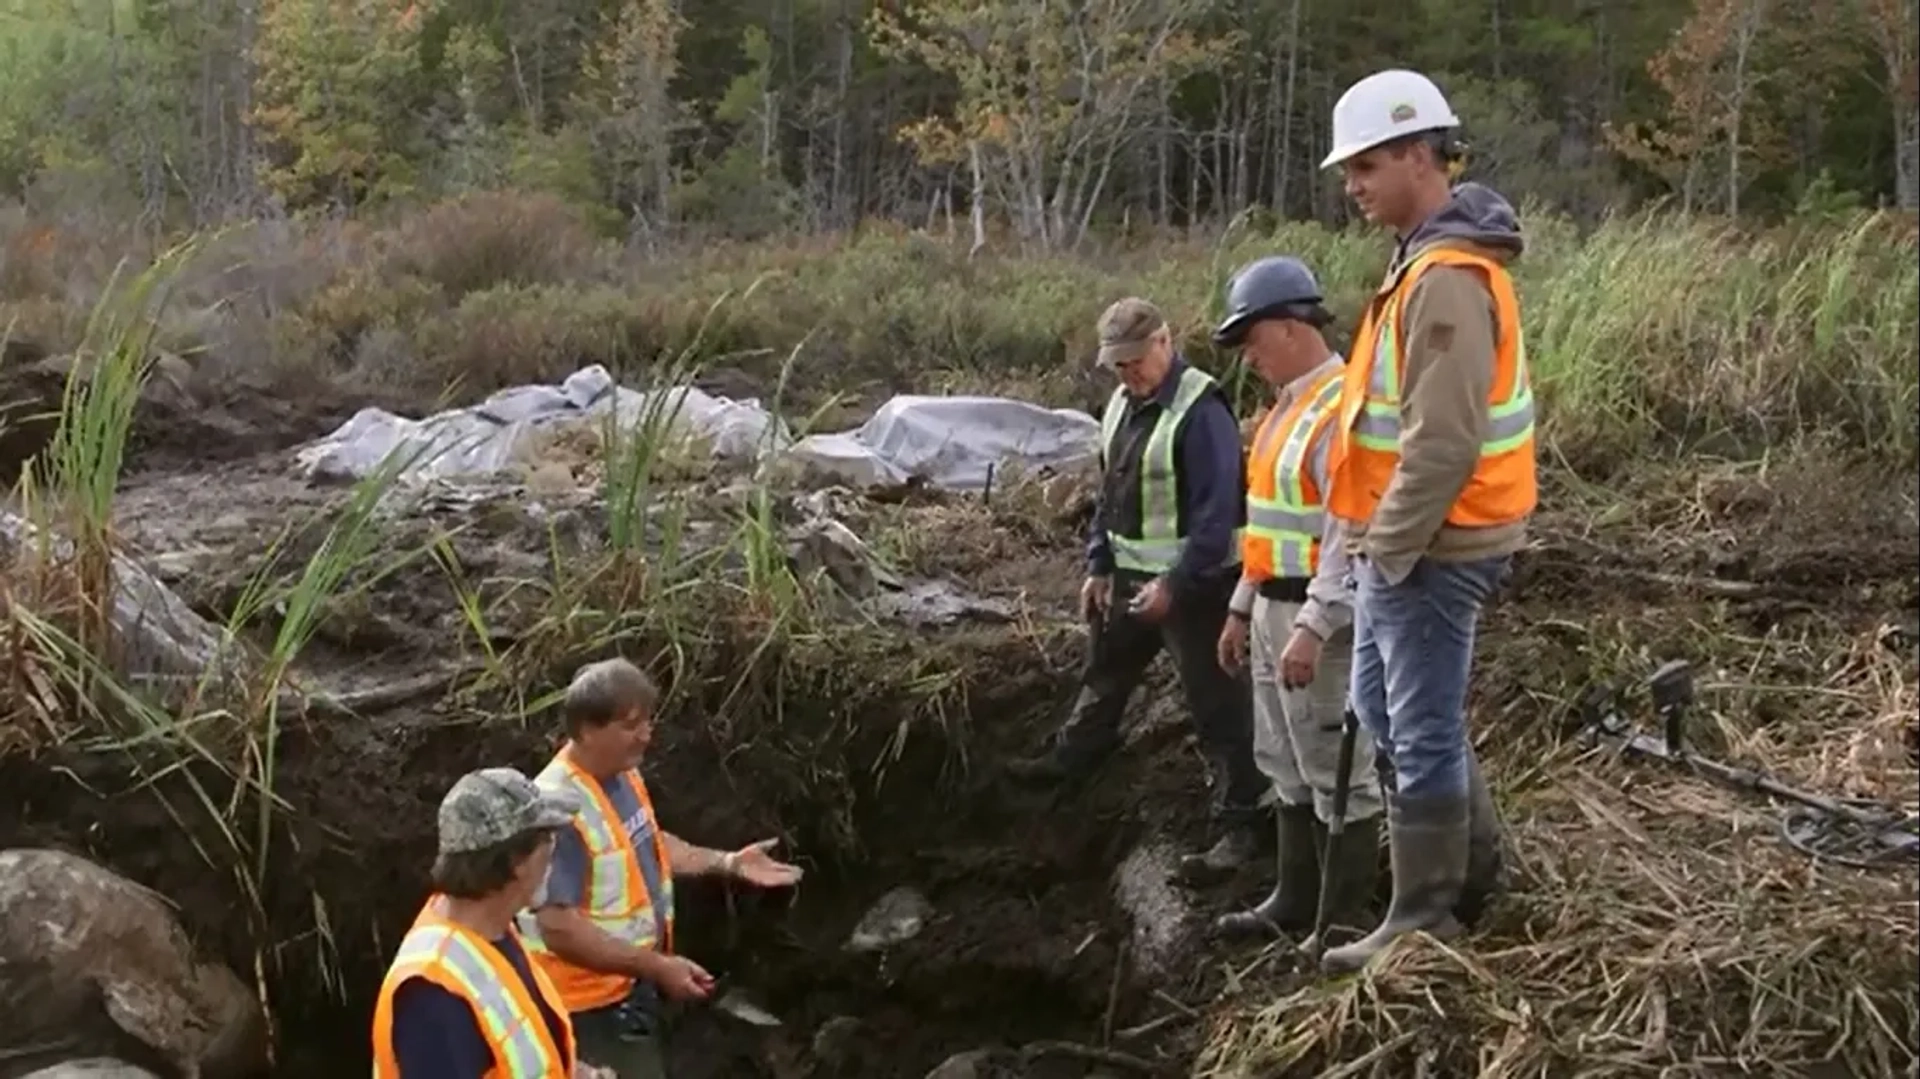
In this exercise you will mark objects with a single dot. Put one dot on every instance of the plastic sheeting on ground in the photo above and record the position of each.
(159, 640)
(492, 437)
(950, 442)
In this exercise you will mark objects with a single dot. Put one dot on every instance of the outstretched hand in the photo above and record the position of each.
(756, 865)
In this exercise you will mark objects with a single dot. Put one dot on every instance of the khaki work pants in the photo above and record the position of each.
(1296, 732)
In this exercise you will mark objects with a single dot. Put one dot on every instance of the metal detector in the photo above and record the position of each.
(1844, 831)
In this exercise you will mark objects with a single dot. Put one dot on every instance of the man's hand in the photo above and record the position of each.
(1299, 659)
(1151, 604)
(756, 865)
(583, 1070)
(1232, 648)
(681, 978)
(1096, 595)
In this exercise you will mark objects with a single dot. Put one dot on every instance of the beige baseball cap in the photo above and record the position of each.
(1126, 329)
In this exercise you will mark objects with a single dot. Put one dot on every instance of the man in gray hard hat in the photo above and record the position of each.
(1292, 613)
(1163, 552)
(1433, 478)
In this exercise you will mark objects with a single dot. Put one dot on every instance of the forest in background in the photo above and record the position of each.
(1045, 121)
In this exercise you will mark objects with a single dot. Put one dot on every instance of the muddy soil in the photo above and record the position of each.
(1025, 938)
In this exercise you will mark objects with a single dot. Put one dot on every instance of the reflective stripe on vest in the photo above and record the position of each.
(617, 900)
(1284, 514)
(1366, 447)
(454, 958)
(1158, 546)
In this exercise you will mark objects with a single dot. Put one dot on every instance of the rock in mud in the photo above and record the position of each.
(898, 917)
(972, 1064)
(826, 545)
(92, 963)
(93, 1068)
(835, 1039)
(1145, 887)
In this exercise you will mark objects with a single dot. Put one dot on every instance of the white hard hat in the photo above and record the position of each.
(1384, 106)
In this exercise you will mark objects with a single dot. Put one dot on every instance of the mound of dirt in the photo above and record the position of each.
(185, 419)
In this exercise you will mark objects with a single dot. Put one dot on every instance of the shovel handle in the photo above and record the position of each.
(1329, 859)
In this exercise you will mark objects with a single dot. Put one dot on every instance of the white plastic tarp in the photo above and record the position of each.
(491, 437)
(952, 442)
(159, 640)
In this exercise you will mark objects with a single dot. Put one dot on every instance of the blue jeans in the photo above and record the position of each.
(1412, 655)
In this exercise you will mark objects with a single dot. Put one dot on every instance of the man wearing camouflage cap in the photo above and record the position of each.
(1163, 555)
(462, 998)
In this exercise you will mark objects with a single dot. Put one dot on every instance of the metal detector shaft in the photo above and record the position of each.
(1832, 829)
(1330, 858)
(1727, 775)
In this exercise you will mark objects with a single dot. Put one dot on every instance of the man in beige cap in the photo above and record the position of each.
(1163, 557)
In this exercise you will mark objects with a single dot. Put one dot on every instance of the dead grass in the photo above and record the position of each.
(1783, 331)
(1659, 926)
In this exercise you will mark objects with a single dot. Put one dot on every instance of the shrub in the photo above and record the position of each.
(477, 241)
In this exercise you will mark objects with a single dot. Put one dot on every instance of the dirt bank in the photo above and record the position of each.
(872, 780)
(870, 749)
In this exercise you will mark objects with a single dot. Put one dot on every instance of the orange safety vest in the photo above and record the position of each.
(617, 898)
(1366, 449)
(1284, 514)
(458, 960)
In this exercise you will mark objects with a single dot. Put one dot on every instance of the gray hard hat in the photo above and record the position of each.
(1273, 287)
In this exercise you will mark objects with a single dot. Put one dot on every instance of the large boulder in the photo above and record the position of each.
(92, 964)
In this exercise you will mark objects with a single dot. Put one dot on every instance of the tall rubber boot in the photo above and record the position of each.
(1427, 838)
(1485, 864)
(1356, 876)
(1289, 907)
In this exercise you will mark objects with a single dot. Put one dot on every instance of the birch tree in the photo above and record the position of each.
(1050, 93)
(1891, 23)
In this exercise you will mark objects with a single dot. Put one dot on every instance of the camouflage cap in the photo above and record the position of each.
(490, 806)
(1126, 329)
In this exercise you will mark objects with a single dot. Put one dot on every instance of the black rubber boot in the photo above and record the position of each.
(1428, 841)
(1289, 907)
(1356, 874)
(1485, 864)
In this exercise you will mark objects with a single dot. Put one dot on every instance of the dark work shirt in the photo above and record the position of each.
(437, 1036)
(1209, 463)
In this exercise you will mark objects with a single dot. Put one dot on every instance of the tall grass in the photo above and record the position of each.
(652, 582)
(67, 597)
(1652, 331)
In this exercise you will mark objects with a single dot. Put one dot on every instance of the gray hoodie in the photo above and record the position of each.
(1449, 329)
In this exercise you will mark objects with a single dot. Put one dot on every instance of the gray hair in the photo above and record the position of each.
(603, 692)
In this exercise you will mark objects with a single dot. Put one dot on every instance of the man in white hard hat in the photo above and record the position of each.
(1433, 477)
